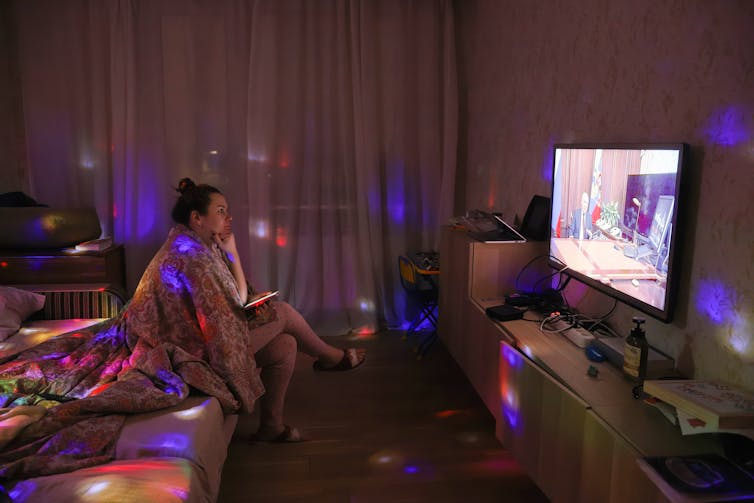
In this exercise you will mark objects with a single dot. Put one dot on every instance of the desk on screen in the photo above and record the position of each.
(605, 262)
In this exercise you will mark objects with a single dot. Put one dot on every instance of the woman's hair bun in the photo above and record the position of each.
(185, 184)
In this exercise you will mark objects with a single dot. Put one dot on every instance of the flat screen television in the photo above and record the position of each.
(614, 220)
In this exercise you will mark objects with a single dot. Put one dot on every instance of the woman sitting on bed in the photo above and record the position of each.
(276, 330)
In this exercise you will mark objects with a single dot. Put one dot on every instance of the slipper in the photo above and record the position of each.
(289, 435)
(349, 361)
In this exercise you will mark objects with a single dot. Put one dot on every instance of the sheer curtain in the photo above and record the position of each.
(330, 126)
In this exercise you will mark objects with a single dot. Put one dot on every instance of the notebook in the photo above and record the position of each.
(503, 234)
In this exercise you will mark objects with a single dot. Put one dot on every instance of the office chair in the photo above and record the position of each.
(423, 291)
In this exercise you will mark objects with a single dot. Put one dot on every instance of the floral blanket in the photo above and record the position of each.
(183, 330)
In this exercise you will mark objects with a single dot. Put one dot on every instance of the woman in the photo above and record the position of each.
(277, 330)
(184, 330)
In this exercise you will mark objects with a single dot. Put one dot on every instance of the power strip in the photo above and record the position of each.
(581, 337)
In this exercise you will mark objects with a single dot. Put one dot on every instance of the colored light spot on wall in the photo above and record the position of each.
(741, 334)
(721, 304)
(729, 126)
(715, 300)
(547, 164)
(3, 264)
(410, 469)
(491, 190)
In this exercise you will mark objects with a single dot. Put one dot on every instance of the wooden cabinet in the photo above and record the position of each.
(63, 267)
(541, 424)
(577, 436)
(463, 327)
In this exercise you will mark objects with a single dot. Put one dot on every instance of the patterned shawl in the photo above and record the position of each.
(184, 329)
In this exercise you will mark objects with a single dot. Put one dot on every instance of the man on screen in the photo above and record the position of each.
(581, 222)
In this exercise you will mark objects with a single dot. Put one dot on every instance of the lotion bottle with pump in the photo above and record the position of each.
(635, 352)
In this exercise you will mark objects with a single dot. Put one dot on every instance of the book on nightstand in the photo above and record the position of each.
(718, 405)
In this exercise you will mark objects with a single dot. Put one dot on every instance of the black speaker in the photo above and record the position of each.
(535, 223)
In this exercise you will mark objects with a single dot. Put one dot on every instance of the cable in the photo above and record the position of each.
(526, 266)
(595, 323)
(556, 316)
(558, 272)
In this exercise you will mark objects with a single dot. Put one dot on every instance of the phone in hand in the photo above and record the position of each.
(259, 299)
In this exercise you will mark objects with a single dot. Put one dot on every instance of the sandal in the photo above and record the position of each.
(289, 435)
(350, 361)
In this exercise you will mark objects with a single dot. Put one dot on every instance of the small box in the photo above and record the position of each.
(504, 312)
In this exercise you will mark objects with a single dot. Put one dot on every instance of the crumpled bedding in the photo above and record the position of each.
(183, 330)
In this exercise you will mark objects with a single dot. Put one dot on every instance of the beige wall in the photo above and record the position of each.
(536, 73)
(12, 154)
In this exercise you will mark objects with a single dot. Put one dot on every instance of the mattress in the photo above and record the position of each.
(195, 429)
(171, 455)
(152, 480)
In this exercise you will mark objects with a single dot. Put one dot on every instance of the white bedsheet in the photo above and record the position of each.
(32, 333)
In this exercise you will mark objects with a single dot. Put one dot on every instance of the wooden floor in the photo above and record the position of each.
(394, 430)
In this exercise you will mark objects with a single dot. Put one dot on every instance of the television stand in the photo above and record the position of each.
(578, 437)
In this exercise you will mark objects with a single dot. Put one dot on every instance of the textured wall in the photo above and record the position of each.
(12, 155)
(536, 73)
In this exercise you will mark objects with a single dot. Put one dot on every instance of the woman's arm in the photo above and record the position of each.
(227, 244)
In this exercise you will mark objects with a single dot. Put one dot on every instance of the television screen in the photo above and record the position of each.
(613, 220)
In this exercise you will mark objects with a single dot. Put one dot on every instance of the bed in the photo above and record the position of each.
(172, 454)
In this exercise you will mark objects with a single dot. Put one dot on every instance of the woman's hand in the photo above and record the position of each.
(226, 241)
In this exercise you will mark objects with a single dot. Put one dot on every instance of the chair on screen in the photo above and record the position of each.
(422, 292)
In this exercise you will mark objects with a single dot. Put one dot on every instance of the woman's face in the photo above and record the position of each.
(216, 221)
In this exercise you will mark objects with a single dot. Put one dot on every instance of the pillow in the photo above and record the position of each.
(15, 306)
